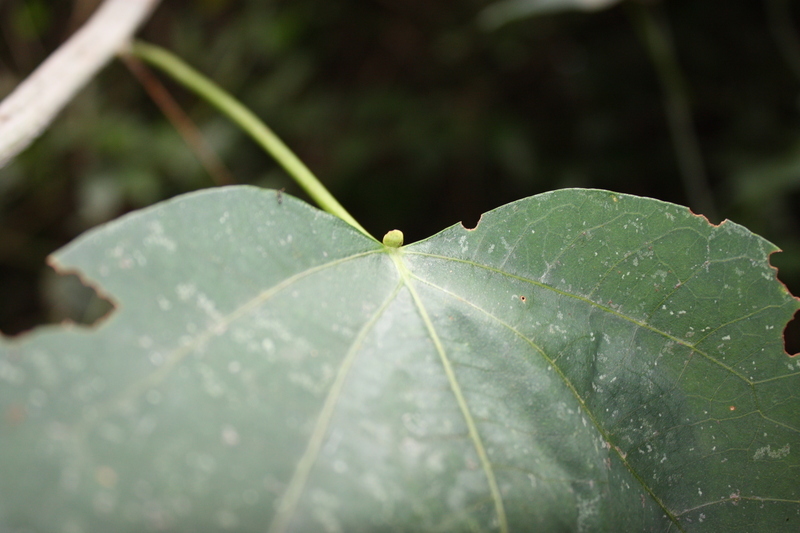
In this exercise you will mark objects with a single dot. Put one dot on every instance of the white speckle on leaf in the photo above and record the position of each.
(185, 290)
(772, 454)
(412, 449)
(325, 507)
(10, 373)
(662, 274)
(229, 435)
(211, 382)
(268, 345)
(208, 306)
(587, 509)
(163, 303)
(219, 328)
(141, 260)
(158, 238)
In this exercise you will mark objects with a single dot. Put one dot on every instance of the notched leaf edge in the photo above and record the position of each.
(791, 329)
(101, 305)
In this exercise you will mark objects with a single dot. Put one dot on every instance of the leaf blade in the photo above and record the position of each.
(597, 284)
(596, 402)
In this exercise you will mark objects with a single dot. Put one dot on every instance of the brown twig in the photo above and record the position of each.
(180, 121)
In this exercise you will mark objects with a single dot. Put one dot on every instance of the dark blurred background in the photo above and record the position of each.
(417, 114)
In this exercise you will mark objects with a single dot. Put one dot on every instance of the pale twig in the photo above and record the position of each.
(33, 105)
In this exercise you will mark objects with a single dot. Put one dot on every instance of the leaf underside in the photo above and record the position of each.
(580, 361)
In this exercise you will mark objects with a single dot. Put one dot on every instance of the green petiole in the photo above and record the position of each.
(249, 122)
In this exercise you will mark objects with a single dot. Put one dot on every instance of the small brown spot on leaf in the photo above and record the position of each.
(15, 414)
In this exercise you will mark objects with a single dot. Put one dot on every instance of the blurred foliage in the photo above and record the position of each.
(412, 97)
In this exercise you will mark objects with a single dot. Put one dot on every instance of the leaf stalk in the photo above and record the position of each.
(248, 121)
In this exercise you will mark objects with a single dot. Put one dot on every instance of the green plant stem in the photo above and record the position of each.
(780, 22)
(655, 36)
(249, 122)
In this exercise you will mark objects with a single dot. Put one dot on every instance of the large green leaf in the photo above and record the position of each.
(580, 361)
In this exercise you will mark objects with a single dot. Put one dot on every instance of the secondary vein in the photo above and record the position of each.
(288, 504)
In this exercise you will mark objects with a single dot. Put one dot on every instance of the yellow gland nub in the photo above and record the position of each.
(393, 239)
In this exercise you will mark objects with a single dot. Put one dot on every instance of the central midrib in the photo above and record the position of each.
(407, 281)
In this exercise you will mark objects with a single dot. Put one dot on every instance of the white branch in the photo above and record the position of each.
(27, 111)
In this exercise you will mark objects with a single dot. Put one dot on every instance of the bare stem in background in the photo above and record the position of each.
(655, 35)
(33, 105)
(784, 32)
(180, 121)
